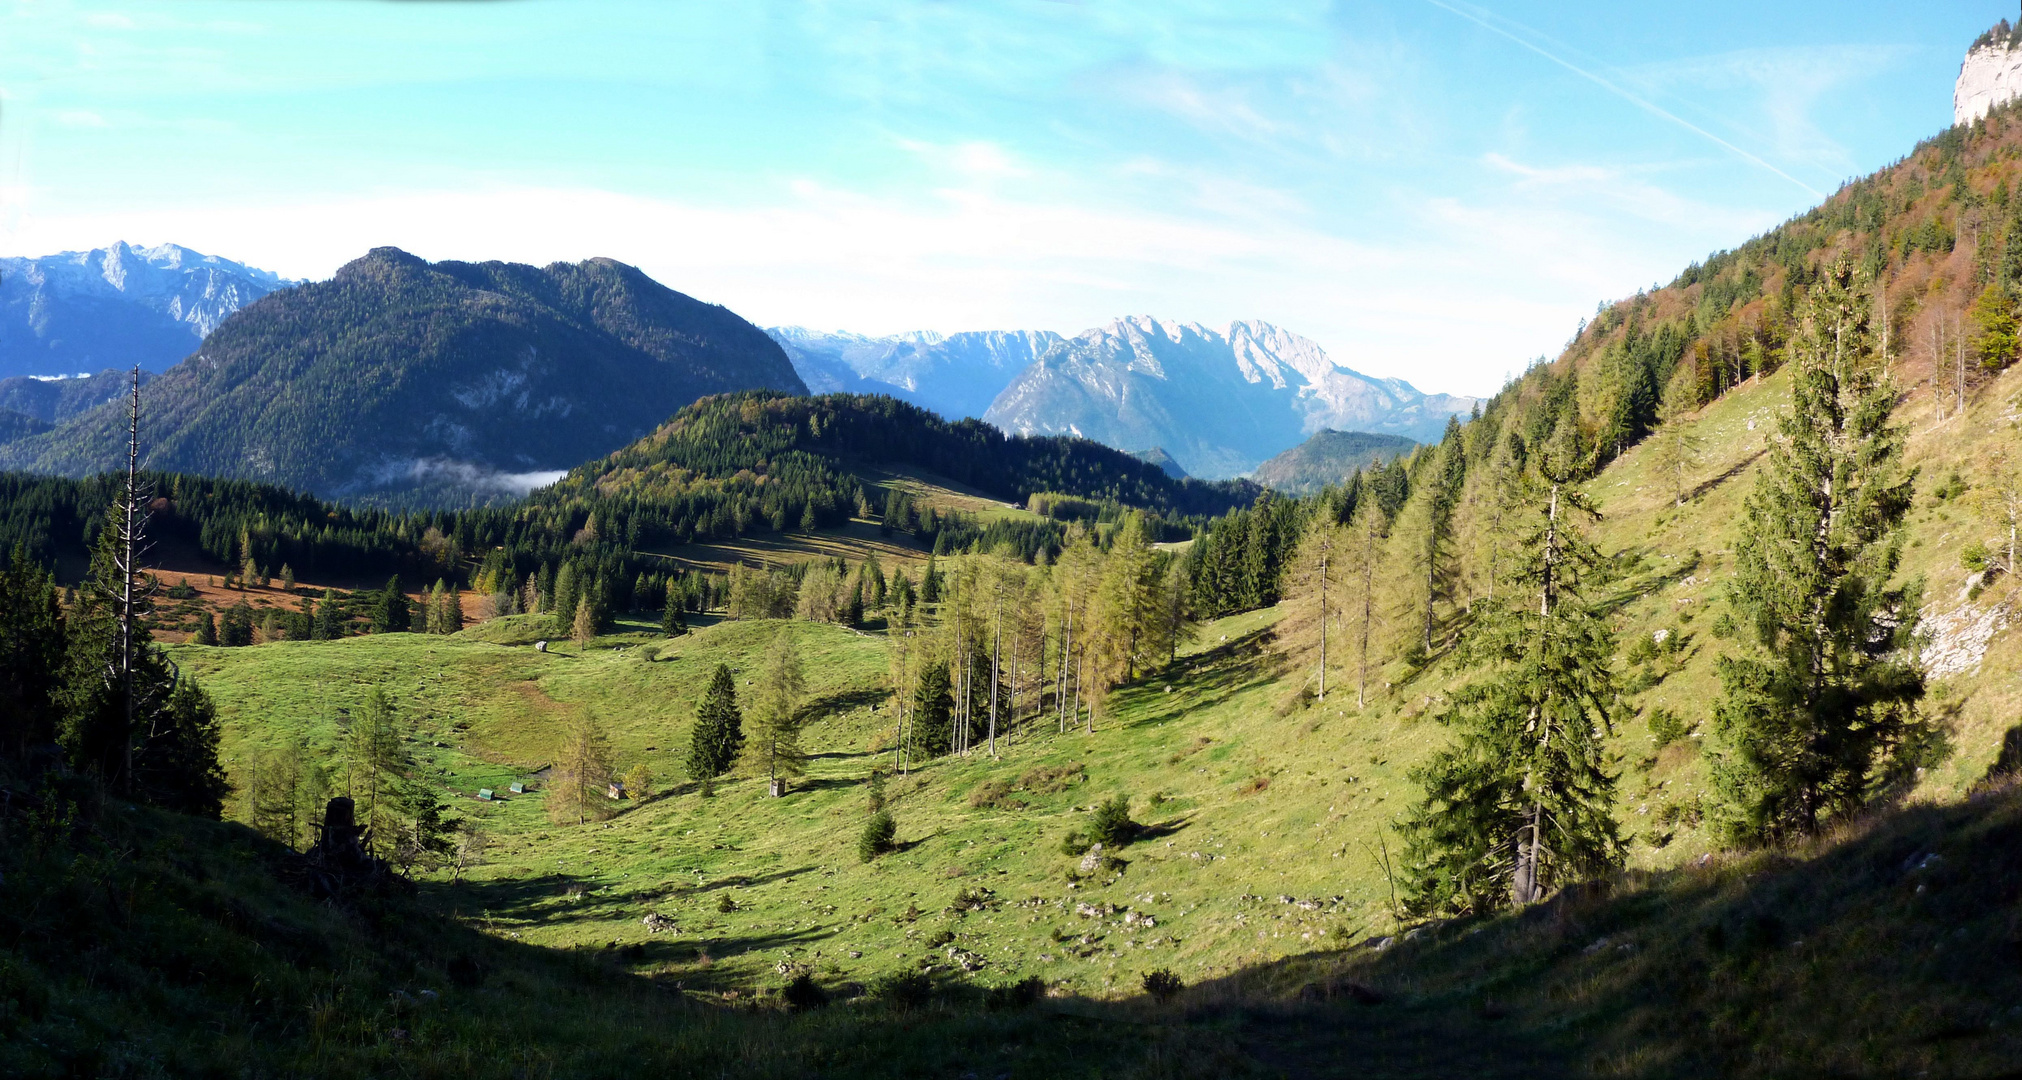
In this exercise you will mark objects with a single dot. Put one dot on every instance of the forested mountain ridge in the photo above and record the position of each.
(789, 454)
(408, 381)
(1328, 458)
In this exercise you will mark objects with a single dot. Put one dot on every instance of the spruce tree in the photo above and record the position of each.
(390, 611)
(774, 746)
(673, 622)
(1820, 714)
(329, 617)
(31, 654)
(176, 756)
(1522, 803)
(719, 728)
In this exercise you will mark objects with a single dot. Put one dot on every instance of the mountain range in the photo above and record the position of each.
(957, 376)
(403, 380)
(1220, 402)
(117, 307)
(1216, 404)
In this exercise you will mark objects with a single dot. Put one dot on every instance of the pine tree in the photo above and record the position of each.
(718, 735)
(933, 709)
(582, 773)
(207, 630)
(329, 617)
(585, 628)
(1442, 495)
(567, 592)
(452, 610)
(774, 747)
(236, 629)
(1523, 803)
(930, 582)
(390, 611)
(1823, 712)
(673, 622)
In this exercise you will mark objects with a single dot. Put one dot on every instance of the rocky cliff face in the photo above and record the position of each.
(118, 306)
(1991, 75)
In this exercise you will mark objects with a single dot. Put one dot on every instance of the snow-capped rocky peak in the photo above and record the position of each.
(117, 305)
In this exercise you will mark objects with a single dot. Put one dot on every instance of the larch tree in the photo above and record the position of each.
(373, 767)
(774, 746)
(1363, 554)
(1822, 712)
(1315, 596)
(582, 777)
(1523, 802)
(1677, 446)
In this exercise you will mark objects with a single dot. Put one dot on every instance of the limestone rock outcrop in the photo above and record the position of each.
(1991, 75)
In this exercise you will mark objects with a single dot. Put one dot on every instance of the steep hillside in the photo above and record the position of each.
(54, 400)
(402, 380)
(956, 376)
(119, 307)
(1219, 402)
(1157, 456)
(1328, 458)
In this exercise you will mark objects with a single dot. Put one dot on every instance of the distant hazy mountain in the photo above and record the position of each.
(54, 400)
(84, 311)
(401, 380)
(1328, 458)
(1219, 402)
(956, 376)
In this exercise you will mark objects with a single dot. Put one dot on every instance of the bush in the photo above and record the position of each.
(803, 993)
(1112, 827)
(907, 990)
(1051, 779)
(994, 794)
(1666, 726)
(1163, 984)
(1074, 843)
(880, 836)
(1021, 994)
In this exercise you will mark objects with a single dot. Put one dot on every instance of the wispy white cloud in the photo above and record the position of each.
(1784, 89)
(1529, 39)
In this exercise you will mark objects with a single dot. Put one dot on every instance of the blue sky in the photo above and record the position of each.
(1429, 188)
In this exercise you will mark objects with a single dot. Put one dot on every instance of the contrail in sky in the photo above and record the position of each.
(1640, 102)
